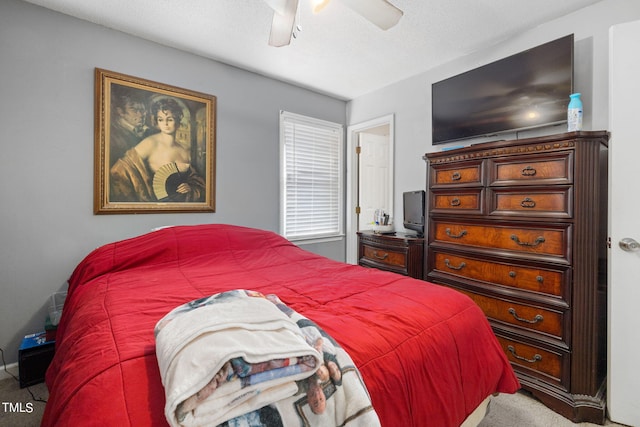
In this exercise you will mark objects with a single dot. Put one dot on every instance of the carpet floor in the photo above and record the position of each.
(21, 407)
(522, 410)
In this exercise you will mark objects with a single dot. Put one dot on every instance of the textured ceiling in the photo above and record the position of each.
(337, 52)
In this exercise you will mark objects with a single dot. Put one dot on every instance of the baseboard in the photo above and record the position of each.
(12, 368)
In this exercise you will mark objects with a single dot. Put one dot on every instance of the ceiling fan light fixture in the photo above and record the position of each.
(285, 14)
(318, 5)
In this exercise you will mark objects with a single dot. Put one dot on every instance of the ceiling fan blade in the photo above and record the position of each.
(282, 24)
(379, 12)
(277, 5)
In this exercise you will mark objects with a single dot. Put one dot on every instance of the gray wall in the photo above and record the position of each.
(47, 63)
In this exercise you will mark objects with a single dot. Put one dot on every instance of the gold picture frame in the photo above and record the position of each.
(154, 147)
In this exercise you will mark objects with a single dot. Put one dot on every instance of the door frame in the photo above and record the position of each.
(353, 132)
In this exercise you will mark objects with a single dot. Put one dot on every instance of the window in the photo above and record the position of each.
(311, 181)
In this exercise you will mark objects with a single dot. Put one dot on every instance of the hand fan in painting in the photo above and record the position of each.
(166, 181)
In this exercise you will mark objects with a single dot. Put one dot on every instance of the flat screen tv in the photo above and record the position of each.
(413, 211)
(523, 91)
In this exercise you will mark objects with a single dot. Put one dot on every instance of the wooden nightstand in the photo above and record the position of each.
(399, 252)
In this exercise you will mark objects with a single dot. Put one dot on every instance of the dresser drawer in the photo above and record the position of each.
(545, 281)
(524, 239)
(458, 202)
(467, 174)
(532, 169)
(553, 201)
(533, 318)
(549, 365)
(385, 256)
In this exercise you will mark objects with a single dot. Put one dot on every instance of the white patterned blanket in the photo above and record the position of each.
(242, 358)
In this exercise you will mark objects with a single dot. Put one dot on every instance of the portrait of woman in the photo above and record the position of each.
(154, 145)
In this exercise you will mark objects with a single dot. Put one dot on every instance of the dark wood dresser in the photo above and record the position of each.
(521, 227)
(398, 252)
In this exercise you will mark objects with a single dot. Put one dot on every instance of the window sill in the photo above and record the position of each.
(313, 240)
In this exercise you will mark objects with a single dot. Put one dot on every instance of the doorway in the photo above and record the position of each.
(370, 171)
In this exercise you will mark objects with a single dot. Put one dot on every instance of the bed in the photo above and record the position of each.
(425, 353)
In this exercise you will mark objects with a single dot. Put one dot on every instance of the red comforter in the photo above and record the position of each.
(427, 354)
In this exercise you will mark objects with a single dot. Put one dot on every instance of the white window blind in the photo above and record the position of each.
(311, 154)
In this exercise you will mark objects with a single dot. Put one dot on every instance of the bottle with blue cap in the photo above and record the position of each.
(574, 113)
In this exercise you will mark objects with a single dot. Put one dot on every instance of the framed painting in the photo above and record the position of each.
(154, 147)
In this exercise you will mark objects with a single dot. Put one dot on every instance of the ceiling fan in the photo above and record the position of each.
(379, 12)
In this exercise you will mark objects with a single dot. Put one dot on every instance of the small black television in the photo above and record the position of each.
(527, 90)
(413, 211)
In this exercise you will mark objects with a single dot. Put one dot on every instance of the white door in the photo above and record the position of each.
(623, 398)
(374, 180)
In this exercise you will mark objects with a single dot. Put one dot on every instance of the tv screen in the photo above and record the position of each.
(413, 210)
(526, 90)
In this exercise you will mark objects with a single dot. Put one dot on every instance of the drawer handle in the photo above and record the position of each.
(529, 171)
(456, 176)
(536, 357)
(448, 264)
(536, 243)
(455, 236)
(539, 279)
(536, 319)
(528, 203)
(455, 202)
(381, 258)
